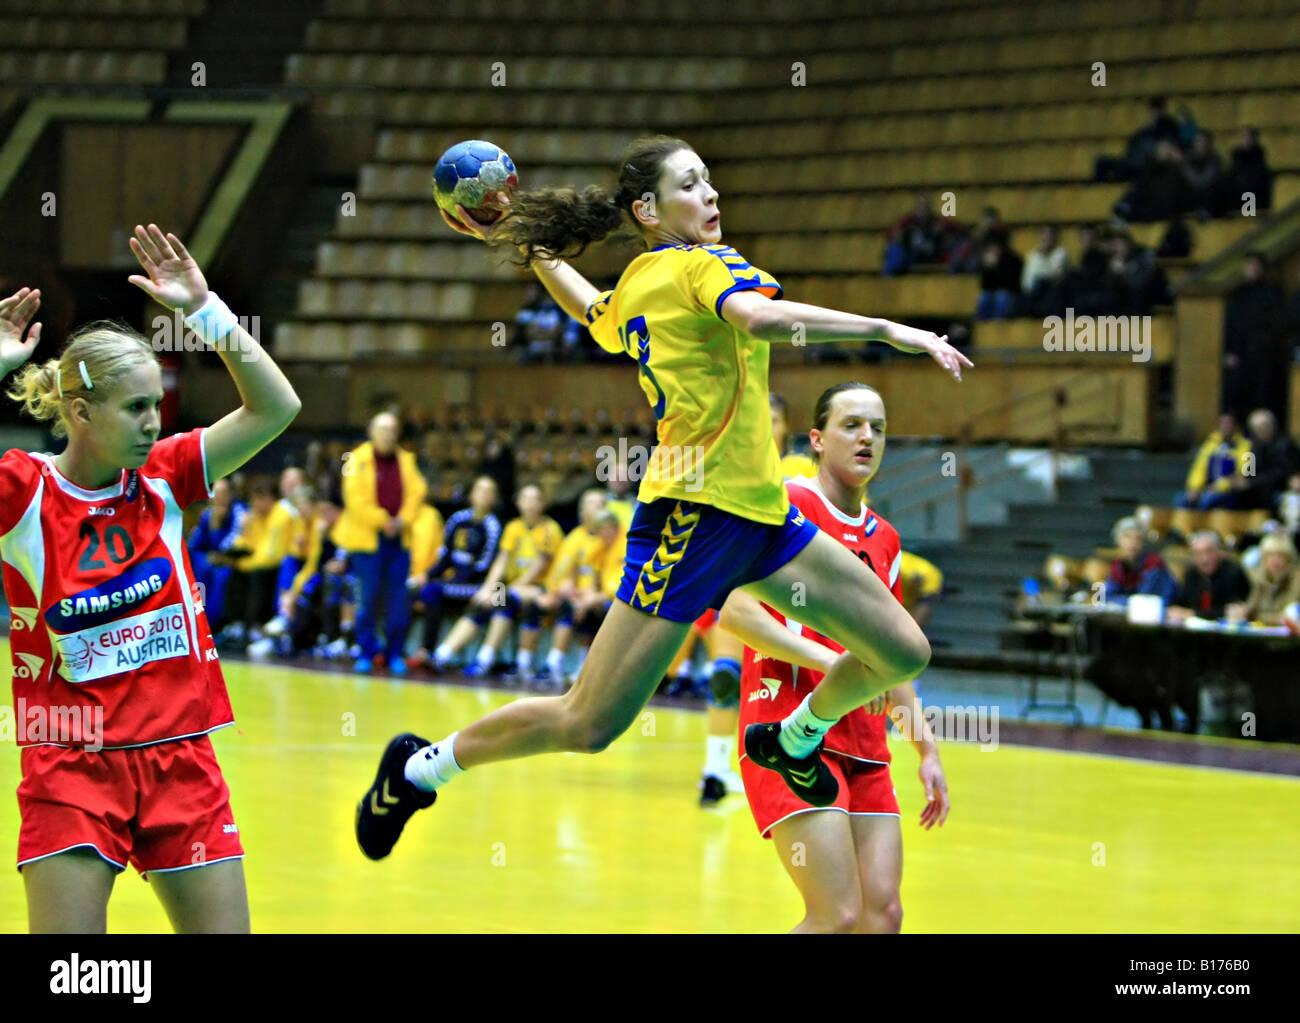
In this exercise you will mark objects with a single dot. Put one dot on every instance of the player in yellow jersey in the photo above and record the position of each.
(528, 543)
(571, 572)
(712, 512)
(792, 463)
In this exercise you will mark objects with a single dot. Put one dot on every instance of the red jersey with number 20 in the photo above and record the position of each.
(771, 689)
(105, 610)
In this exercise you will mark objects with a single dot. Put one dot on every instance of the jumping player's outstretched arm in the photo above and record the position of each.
(173, 279)
(775, 320)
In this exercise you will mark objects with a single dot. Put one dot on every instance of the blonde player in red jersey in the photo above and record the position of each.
(108, 635)
(847, 858)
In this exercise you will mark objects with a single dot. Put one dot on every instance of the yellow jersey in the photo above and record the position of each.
(921, 580)
(522, 546)
(705, 379)
(572, 563)
(426, 539)
(279, 534)
(611, 567)
(793, 465)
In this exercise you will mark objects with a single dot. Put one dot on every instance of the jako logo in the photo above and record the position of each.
(105, 602)
(102, 977)
(23, 618)
(771, 686)
(105, 509)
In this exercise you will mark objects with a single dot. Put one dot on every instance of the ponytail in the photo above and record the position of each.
(559, 223)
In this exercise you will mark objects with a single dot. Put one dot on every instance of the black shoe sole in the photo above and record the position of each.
(713, 791)
(381, 814)
(764, 749)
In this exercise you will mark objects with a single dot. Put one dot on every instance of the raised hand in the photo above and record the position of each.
(174, 279)
(911, 339)
(464, 224)
(16, 314)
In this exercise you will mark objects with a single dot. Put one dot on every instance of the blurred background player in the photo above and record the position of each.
(792, 463)
(513, 584)
(218, 528)
(321, 602)
(725, 656)
(259, 550)
(383, 492)
(922, 586)
(851, 870)
(470, 541)
(599, 582)
(573, 569)
(101, 515)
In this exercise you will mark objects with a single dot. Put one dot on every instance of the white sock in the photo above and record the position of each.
(524, 661)
(487, 657)
(803, 730)
(718, 750)
(442, 655)
(555, 662)
(433, 766)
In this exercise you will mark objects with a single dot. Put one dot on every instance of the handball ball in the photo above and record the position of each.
(470, 174)
(1291, 617)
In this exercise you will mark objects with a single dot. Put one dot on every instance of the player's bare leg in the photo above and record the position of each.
(625, 665)
(827, 588)
(817, 852)
(205, 900)
(68, 893)
(879, 844)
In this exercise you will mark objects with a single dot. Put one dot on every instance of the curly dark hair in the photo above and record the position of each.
(559, 223)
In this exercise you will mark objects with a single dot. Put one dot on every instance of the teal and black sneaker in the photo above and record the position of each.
(808, 778)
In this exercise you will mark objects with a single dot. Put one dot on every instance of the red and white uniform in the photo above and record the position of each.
(771, 689)
(112, 655)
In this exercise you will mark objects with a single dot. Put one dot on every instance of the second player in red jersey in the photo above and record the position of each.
(845, 856)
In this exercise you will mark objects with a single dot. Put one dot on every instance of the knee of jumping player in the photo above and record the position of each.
(587, 735)
(908, 657)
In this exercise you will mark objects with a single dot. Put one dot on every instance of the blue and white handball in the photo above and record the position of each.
(470, 174)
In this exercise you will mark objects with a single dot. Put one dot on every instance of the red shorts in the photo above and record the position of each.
(706, 621)
(161, 807)
(865, 789)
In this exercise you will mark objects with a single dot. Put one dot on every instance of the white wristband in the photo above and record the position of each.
(213, 320)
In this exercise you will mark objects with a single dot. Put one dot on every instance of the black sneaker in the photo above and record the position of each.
(808, 778)
(712, 790)
(390, 801)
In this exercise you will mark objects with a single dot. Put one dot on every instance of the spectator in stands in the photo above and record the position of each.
(1176, 242)
(1137, 570)
(1203, 175)
(1160, 191)
(1256, 344)
(968, 255)
(1137, 278)
(1215, 479)
(383, 493)
(1212, 582)
(1042, 282)
(1000, 276)
(498, 461)
(1188, 129)
(1248, 173)
(209, 542)
(1276, 458)
(1141, 145)
(919, 237)
(1288, 507)
(1273, 585)
(469, 547)
(539, 326)
(591, 603)
(1090, 289)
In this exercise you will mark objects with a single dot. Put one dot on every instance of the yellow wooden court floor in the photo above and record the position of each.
(617, 842)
